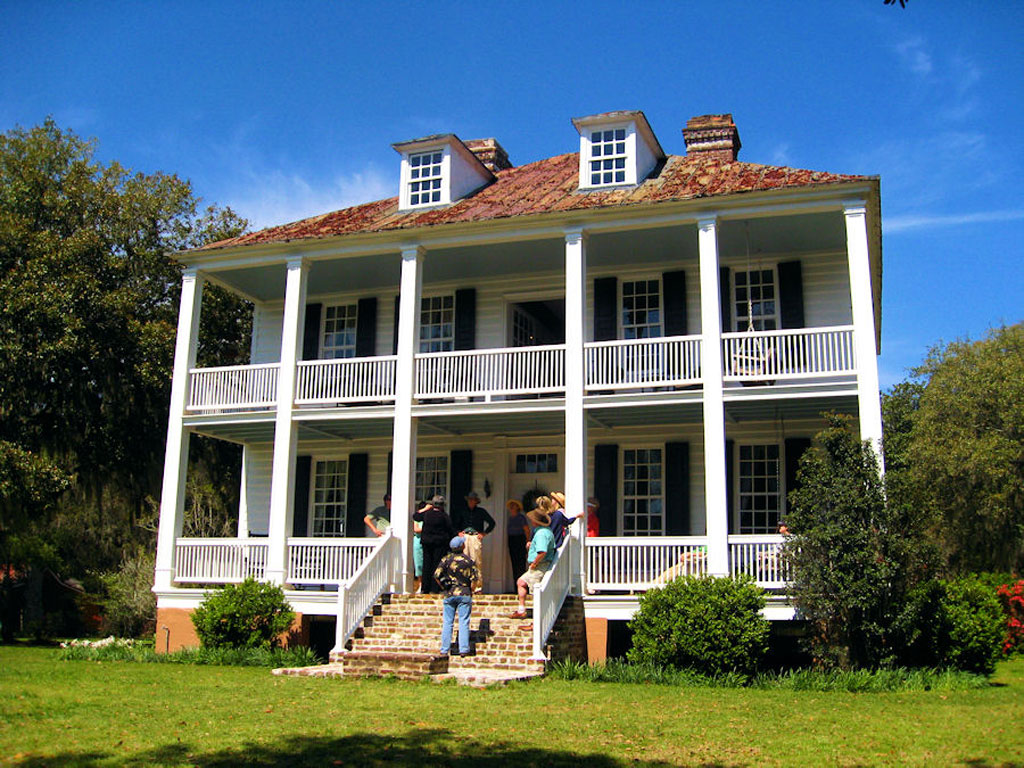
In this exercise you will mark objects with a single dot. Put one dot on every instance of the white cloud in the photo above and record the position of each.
(911, 221)
(914, 57)
(780, 154)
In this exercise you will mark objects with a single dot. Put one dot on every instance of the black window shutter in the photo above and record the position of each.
(461, 474)
(791, 295)
(730, 473)
(606, 297)
(366, 327)
(394, 335)
(674, 288)
(355, 501)
(311, 332)
(465, 318)
(795, 447)
(300, 512)
(677, 489)
(725, 295)
(606, 486)
(391, 466)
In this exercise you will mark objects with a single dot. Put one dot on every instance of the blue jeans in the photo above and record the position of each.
(464, 604)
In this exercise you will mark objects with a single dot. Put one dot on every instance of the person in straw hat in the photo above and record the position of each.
(518, 530)
(541, 557)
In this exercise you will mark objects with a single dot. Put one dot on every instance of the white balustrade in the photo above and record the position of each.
(788, 354)
(642, 562)
(326, 561)
(356, 596)
(635, 363)
(491, 372)
(219, 561)
(550, 594)
(235, 387)
(345, 380)
(759, 556)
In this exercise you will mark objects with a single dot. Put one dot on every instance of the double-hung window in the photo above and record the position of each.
(330, 489)
(756, 300)
(608, 157)
(437, 324)
(760, 496)
(431, 477)
(641, 309)
(643, 503)
(339, 334)
(425, 173)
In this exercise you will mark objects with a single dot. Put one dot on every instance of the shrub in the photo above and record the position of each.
(129, 610)
(125, 650)
(1012, 598)
(247, 615)
(957, 624)
(711, 625)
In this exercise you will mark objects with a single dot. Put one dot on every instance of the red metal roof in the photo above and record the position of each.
(551, 186)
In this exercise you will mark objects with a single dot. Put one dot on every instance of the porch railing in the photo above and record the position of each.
(241, 387)
(326, 561)
(626, 364)
(789, 354)
(758, 556)
(642, 562)
(550, 594)
(320, 382)
(490, 372)
(356, 596)
(219, 561)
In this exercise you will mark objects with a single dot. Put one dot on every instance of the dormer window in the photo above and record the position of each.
(617, 149)
(608, 157)
(425, 178)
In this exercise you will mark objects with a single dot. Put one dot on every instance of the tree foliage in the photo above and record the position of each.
(965, 451)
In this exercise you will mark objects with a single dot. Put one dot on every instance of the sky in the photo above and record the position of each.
(283, 110)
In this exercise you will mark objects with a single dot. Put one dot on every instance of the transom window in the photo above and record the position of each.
(330, 489)
(759, 494)
(437, 324)
(431, 477)
(608, 157)
(536, 463)
(755, 300)
(425, 178)
(339, 339)
(641, 309)
(642, 501)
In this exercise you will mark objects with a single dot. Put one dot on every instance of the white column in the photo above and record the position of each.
(403, 465)
(243, 497)
(282, 481)
(715, 492)
(172, 494)
(575, 383)
(862, 301)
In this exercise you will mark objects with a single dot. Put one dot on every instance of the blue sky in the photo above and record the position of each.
(283, 110)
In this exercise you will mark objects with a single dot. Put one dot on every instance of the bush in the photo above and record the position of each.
(1011, 596)
(711, 625)
(247, 615)
(125, 650)
(957, 624)
(129, 610)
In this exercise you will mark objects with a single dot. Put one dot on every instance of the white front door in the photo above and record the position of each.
(531, 473)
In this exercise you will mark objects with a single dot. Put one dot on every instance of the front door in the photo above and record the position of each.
(532, 472)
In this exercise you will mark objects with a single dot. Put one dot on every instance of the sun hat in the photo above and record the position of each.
(457, 543)
(559, 497)
(539, 517)
(514, 503)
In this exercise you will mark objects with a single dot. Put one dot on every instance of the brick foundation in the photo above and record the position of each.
(178, 622)
(597, 640)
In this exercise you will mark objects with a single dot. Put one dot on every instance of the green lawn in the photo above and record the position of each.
(55, 713)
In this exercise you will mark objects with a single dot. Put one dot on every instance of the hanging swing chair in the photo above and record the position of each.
(752, 355)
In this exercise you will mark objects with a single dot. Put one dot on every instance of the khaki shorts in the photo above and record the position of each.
(533, 577)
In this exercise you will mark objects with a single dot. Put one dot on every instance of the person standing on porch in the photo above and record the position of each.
(518, 528)
(476, 523)
(559, 520)
(437, 532)
(541, 556)
(593, 521)
(379, 520)
(456, 574)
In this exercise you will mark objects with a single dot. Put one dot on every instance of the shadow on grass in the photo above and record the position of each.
(433, 747)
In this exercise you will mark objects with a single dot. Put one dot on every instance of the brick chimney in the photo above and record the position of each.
(490, 153)
(714, 137)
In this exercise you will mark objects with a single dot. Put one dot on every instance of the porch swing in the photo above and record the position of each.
(752, 355)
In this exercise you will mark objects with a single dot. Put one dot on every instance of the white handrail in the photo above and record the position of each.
(759, 556)
(326, 561)
(491, 372)
(632, 363)
(219, 561)
(788, 354)
(356, 597)
(642, 562)
(239, 387)
(550, 594)
(345, 380)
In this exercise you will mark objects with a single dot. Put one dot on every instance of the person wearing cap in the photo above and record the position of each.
(475, 524)
(379, 520)
(541, 557)
(456, 574)
(437, 532)
(593, 521)
(518, 530)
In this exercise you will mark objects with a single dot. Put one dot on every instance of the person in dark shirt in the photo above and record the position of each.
(456, 574)
(437, 532)
(379, 520)
(475, 524)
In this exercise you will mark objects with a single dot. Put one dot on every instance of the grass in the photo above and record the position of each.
(239, 657)
(57, 713)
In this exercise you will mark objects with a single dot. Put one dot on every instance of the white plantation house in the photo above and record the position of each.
(661, 331)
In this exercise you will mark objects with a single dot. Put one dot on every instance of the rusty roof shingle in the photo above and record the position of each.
(550, 186)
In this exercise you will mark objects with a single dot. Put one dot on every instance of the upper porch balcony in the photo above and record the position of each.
(758, 357)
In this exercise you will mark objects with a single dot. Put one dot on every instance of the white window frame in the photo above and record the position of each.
(660, 447)
(780, 491)
(740, 322)
(329, 352)
(314, 504)
(661, 305)
(447, 343)
(629, 157)
(407, 179)
(418, 486)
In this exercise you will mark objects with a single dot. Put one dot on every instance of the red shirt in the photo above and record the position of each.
(593, 524)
